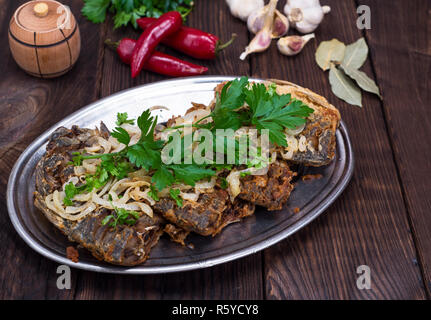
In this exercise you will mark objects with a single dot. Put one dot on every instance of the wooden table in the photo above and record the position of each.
(382, 220)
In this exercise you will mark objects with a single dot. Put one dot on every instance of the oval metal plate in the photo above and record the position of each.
(237, 240)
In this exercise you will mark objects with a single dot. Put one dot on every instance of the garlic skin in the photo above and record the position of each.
(243, 8)
(263, 38)
(292, 45)
(256, 20)
(305, 15)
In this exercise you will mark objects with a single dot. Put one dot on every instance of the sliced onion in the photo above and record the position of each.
(79, 170)
(190, 196)
(234, 184)
(205, 184)
(56, 197)
(105, 144)
(296, 131)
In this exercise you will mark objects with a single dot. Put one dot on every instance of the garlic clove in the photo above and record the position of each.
(293, 45)
(305, 15)
(263, 38)
(256, 20)
(242, 9)
(280, 25)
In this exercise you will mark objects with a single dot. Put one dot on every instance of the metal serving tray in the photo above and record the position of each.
(237, 240)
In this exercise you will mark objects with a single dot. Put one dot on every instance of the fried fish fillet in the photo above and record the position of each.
(315, 145)
(271, 190)
(208, 215)
(124, 245)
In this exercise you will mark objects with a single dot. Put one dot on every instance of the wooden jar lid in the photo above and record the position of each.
(44, 38)
(42, 16)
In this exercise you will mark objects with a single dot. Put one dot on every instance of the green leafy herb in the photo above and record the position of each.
(70, 191)
(123, 118)
(121, 216)
(361, 78)
(128, 11)
(356, 54)
(343, 63)
(275, 112)
(329, 51)
(174, 193)
(223, 183)
(121, 135)
(267, 109)
(153, 193)
(344, 88)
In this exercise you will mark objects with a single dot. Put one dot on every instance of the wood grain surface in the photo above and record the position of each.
(381, 220)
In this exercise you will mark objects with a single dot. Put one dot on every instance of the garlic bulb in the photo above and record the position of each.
(280, 25)
(293, 45)
(243, 8)
(263, 38)
(305, 15)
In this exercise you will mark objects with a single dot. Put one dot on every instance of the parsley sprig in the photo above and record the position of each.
(266, 110)
(121, 216)
(128, 11)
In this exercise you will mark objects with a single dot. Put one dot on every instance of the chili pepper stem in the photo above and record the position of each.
(221, 46)
(112, 44)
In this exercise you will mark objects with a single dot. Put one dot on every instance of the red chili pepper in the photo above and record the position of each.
(159, 62)
(167, 24)
(193, 42)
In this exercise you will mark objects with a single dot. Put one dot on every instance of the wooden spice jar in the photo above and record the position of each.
(44, 38)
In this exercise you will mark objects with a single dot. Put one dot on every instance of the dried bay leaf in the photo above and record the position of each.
(361, 78)
(356, 54)
(329, 51)
(343, 87)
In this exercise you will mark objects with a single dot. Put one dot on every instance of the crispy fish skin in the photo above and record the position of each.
(208, 215)
(124, 245)
(317, 142)
(271, 190)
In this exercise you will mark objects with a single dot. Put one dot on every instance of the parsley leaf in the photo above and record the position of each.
(228, 101)
(121, 135)
(121, 216)
(174, 193)
(153, 193)
(190, 173)
(95, 10)
(123, 118)
(275, 112)
(162, 178)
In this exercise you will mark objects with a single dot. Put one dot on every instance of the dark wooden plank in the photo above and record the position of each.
(237, 280)
(368, 224)
(402, 62)
(29, 106)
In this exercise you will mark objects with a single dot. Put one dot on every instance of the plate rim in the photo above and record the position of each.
(187, 266)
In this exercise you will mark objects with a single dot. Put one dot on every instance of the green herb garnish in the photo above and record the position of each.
(175, 194)
(121, 216)
(123, 118)
(266, 110)
(128, 11)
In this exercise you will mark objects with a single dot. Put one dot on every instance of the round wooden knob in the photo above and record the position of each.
(40, 9)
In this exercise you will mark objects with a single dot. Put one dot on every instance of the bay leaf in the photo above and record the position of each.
(329, 51)
(361, 78)
(344, 87)
(356, 54)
